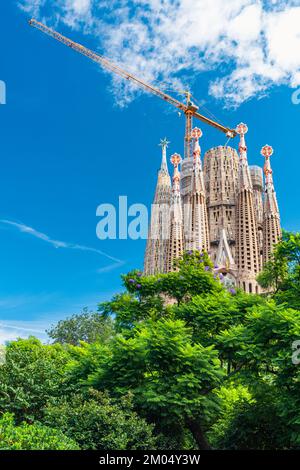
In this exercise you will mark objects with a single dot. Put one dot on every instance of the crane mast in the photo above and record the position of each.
(189, 109)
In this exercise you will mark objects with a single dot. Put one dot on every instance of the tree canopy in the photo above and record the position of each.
(175, 361)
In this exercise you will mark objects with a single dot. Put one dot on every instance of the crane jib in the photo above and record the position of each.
(190, 109)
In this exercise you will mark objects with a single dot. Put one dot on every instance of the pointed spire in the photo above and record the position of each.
(164, 145)
(176, 160)
(247, 249)
(197, 178)
(266, 152)
(197, 236)
(270, 199)
(224, 258)
(271, 219)
(242, 129)
(196, 134)
(163, 187)
(175, 248)
(158, 234)
(244, 173)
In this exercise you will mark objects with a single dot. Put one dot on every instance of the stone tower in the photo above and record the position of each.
(271, 217)
(221, 178)
(158, 236)
(197, 236)
(247, 249)
(176, 241)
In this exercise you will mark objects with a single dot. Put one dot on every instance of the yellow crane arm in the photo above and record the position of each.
(111, 66)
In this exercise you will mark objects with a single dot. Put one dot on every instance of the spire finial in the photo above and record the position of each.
(175, 160)
(196, 134)
(266, 152)
(164, 145)
(242, 129)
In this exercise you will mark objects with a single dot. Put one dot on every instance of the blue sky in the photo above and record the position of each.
(72, 137)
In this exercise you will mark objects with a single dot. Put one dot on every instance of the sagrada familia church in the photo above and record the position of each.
(224, 207)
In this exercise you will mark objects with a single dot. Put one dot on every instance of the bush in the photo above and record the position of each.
(33, 373)
(97, 423)
(32, 436)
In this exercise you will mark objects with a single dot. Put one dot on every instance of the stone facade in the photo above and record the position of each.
(224, 208)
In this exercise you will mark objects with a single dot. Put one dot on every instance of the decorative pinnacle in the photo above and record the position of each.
(267, 151)
(175, 159)
(242, 129)
(196, 133)
(164, 143)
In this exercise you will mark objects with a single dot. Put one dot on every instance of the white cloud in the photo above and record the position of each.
(32, 7)
(252, 44)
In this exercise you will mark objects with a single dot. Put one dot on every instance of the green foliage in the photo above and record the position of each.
(170, 378)
(97, 422)
(130, 310)
(193, 276)
(172, 363)
(87, 326)
(260, 351)
(210, 314)
(31, 375)
(265, 339)
(281, 275)
(255, 424)
(32, 436)
(231, 397)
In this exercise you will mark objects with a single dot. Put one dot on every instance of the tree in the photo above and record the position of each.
(260, 351)
(281, 275)
(170, 378)
(128, 310)
(193, 275)
(97, 422)
(32, 436)
(188, 364)
(87, 326)
(32, 373)
(210, 313)
(253, 424)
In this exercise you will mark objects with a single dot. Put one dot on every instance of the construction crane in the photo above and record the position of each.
(189, 109)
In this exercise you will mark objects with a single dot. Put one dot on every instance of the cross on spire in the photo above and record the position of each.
(164, 143)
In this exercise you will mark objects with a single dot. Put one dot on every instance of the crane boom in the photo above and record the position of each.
(189, 109)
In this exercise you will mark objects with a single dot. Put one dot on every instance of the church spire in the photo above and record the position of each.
(248, 259)
(158, 235)
(271, 218)
(164, 145)
(197, 229)
(175, 248)
(197, 181)
(244, 173)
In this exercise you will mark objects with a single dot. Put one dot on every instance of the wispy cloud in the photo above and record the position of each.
(43, 314)
(60, 244)
(19, 329)
(252, 44)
